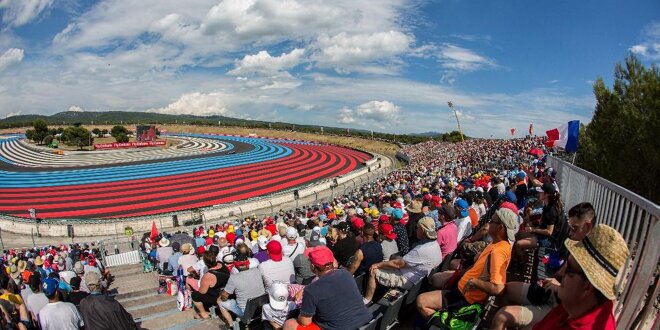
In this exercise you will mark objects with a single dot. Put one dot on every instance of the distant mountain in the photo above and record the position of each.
(427, 134)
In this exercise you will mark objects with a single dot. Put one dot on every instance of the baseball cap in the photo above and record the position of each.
(397, 214)
(262, 241)
(274, 250)
(277, 296)
(462, 205)
(291, 233)
(388, 231)
(92, 279)
(428, 225)
(510, 221)
(49, 286)
(319, 256)
(315, 238)
(357, 223)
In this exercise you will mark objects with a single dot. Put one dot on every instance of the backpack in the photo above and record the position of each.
(463, 318)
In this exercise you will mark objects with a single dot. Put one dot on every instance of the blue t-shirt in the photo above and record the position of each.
(335, 302)
(372, 253)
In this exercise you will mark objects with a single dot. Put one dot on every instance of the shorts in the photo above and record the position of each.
(232, 306)
(453, 298)
(393, 278)
(543, 241)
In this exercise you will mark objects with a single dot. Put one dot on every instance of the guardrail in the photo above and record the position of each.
(636, 218)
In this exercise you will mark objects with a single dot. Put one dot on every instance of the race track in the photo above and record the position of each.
(136, 183)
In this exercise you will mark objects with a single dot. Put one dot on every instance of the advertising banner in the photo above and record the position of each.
(138, 144)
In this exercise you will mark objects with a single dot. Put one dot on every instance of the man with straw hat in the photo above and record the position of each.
(588, 282)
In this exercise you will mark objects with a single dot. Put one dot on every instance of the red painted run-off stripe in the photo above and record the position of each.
(218, 186)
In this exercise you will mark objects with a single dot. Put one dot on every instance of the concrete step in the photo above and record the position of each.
(123, 296)
(166, 319)
(141, 311)
(127, 269)
(146, 300)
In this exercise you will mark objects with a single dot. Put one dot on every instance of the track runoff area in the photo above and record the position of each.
(202, 171)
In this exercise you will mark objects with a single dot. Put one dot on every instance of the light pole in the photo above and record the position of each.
(451, 106)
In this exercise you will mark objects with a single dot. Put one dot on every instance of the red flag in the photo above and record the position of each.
(154, 230)
(531, 128)
(513, 132)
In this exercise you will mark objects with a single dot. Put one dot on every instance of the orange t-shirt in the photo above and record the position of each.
(474, 217)
(490, 267)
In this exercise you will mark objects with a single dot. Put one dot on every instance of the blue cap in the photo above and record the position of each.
(397, 213)
(521, 175)
(510, 197)
(463, 207)
(49, 286)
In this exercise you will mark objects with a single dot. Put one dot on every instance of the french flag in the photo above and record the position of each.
(564, 136)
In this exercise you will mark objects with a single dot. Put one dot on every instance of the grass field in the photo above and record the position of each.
(384, 148)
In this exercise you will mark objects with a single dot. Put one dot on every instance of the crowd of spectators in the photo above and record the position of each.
(461, 215)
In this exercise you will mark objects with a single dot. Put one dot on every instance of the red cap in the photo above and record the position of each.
(319, 256)
(388, 231)
(384, 218)
(436, 200)
(510, 206)
(200, 250)
(357, 223)
(274, 249)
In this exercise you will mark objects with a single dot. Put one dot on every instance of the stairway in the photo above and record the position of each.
(138, 293)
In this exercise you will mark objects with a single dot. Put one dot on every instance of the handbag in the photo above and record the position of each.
(463, 318)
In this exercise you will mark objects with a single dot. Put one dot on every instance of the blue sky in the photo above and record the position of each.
(390, 66)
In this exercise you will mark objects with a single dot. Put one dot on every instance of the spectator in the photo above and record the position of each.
(553, 210)
(278, 307)
(388, 243)
(472, 288)
(79, 269)
(188, 258)
(163, 253)
(448, 233)
(103, 312)
(345, 246)
(463, 223)
(58, 315)
(278, 268)
(36, 301)
(173, 261)
(413, 267)
(292, 248)
(262, 253)
(281, 233)
(414, 214)
(402, 242)
(518, 310)
(210, 285)
(321, 307)
(588, 282)
(245, 285)
(76, 296)
(301, 264)
(368, 254)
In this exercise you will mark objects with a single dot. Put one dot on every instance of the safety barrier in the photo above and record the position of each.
(636, 218)
(126, 258)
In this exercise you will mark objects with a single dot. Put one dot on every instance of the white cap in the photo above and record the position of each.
(277, 296)
(262, 241)
(291, 233)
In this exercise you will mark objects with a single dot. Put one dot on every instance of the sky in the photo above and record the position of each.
(389, 66)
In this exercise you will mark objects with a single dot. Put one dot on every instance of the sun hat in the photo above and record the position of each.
(319, 256)
(601, 255)
(415, 207)
(38, 261)
(428, 225)
(274, 250)
(14, 273)
(510, 221)
(93, 279)
(291, 233)
(164, 242)
(277, 296)
(510, 206)
(49, 286)
(462, 206)
(388, 231)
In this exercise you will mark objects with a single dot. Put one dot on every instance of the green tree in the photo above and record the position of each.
(29, 134)
(620, 143)
(118, 130)
(121, 138)
(40, 130)
(104, 131)
(48, 139)
(97, 132)
(77, 136)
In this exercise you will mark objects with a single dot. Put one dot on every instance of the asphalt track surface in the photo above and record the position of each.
(256, 167)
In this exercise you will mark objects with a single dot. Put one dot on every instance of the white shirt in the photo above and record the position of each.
(464, 226)
(291, 251)
(35, 302)
(60, 316)
(282, 271)
(421, 260)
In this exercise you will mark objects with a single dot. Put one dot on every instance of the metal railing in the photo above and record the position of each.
(636, 218)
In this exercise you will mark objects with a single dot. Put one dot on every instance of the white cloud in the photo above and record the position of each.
(21, 12)
(11, 114)
(370, 113)
(345, 52)
(649, 48)
(201, 104)
(10, 57)
(453, 57)
(75, 108)
(263, 63)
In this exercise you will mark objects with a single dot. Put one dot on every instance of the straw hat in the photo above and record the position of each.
(164, 242)
(186, 248)
(22, 265)
(415, 207)
(38, 262)
(601, 255)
